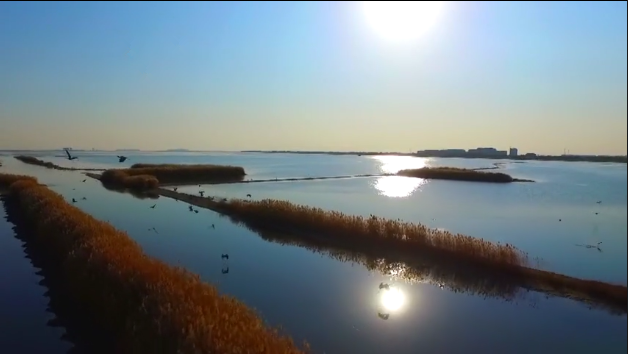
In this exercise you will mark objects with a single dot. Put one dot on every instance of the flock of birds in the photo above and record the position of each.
(71, 157)
(596, 246)
(224, 256)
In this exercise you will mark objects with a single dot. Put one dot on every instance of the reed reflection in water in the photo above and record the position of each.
(458, 277)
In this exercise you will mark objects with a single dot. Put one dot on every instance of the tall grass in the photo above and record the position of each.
(457, 174)
(119, 179)
(146, 176)
(145, 305)
(6, 180)
(273, 213)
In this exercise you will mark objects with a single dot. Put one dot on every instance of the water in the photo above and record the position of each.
(334, 304)
(23, 306)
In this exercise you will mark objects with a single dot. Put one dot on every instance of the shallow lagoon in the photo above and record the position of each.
(335, 304)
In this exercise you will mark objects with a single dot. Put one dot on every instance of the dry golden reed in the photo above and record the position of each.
(145, 304)
(146, 176)
(272, 213)
(457, 174)
(6, 180)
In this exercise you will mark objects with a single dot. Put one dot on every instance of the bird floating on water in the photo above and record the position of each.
(201, 193)
(175, 189)
(122, 158)
(153, 207)
(84, 198)
(73, 200)
(70, 157)
(196, 211)
(224, 256)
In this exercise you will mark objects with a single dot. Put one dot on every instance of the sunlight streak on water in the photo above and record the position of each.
(398, 186)
(394, 164)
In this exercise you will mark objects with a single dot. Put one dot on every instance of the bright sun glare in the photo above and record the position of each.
(402, 21)
(392, 299)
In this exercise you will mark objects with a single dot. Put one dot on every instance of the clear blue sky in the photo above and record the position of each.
(312, 76)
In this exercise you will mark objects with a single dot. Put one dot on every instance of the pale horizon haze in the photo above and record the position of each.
(539, 76)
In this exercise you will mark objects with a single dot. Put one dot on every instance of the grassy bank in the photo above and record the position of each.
(37, 162)
(458, 174)
(407, 242)
(145, 177)
(144, 304)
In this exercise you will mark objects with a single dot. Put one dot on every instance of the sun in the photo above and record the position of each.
(402, 21)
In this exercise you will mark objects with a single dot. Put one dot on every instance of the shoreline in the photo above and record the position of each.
(595, 159)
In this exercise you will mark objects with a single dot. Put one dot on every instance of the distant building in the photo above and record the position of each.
(530, 154)
(487, 152)
(514, 152)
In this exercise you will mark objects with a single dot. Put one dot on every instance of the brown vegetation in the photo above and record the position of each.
(270, 213)
(145, 177)
(457, 174)
(35, 161)
(7, 180)
(145, 305)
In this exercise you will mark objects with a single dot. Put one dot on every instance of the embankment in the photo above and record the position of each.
(142, 304)
(37, 162)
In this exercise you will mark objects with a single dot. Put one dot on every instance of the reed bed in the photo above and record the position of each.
(457, 174)
(145, 176)
(6, 180)
(120, 180)
(145, 305)
(37, 162)
(269, 212)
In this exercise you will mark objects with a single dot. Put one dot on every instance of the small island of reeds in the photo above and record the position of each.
(459, 174)
(147, 176)
(142, 305)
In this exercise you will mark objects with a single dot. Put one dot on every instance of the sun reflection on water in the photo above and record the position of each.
(398, 186)
(392, 299)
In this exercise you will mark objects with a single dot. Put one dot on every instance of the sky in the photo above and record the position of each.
(540, 76)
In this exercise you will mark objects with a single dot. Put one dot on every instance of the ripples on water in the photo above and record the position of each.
(333, 299)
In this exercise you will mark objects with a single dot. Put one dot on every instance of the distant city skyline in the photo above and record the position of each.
(231, 76)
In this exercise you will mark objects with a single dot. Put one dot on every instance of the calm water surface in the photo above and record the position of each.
(23, 306)
(334, 304)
